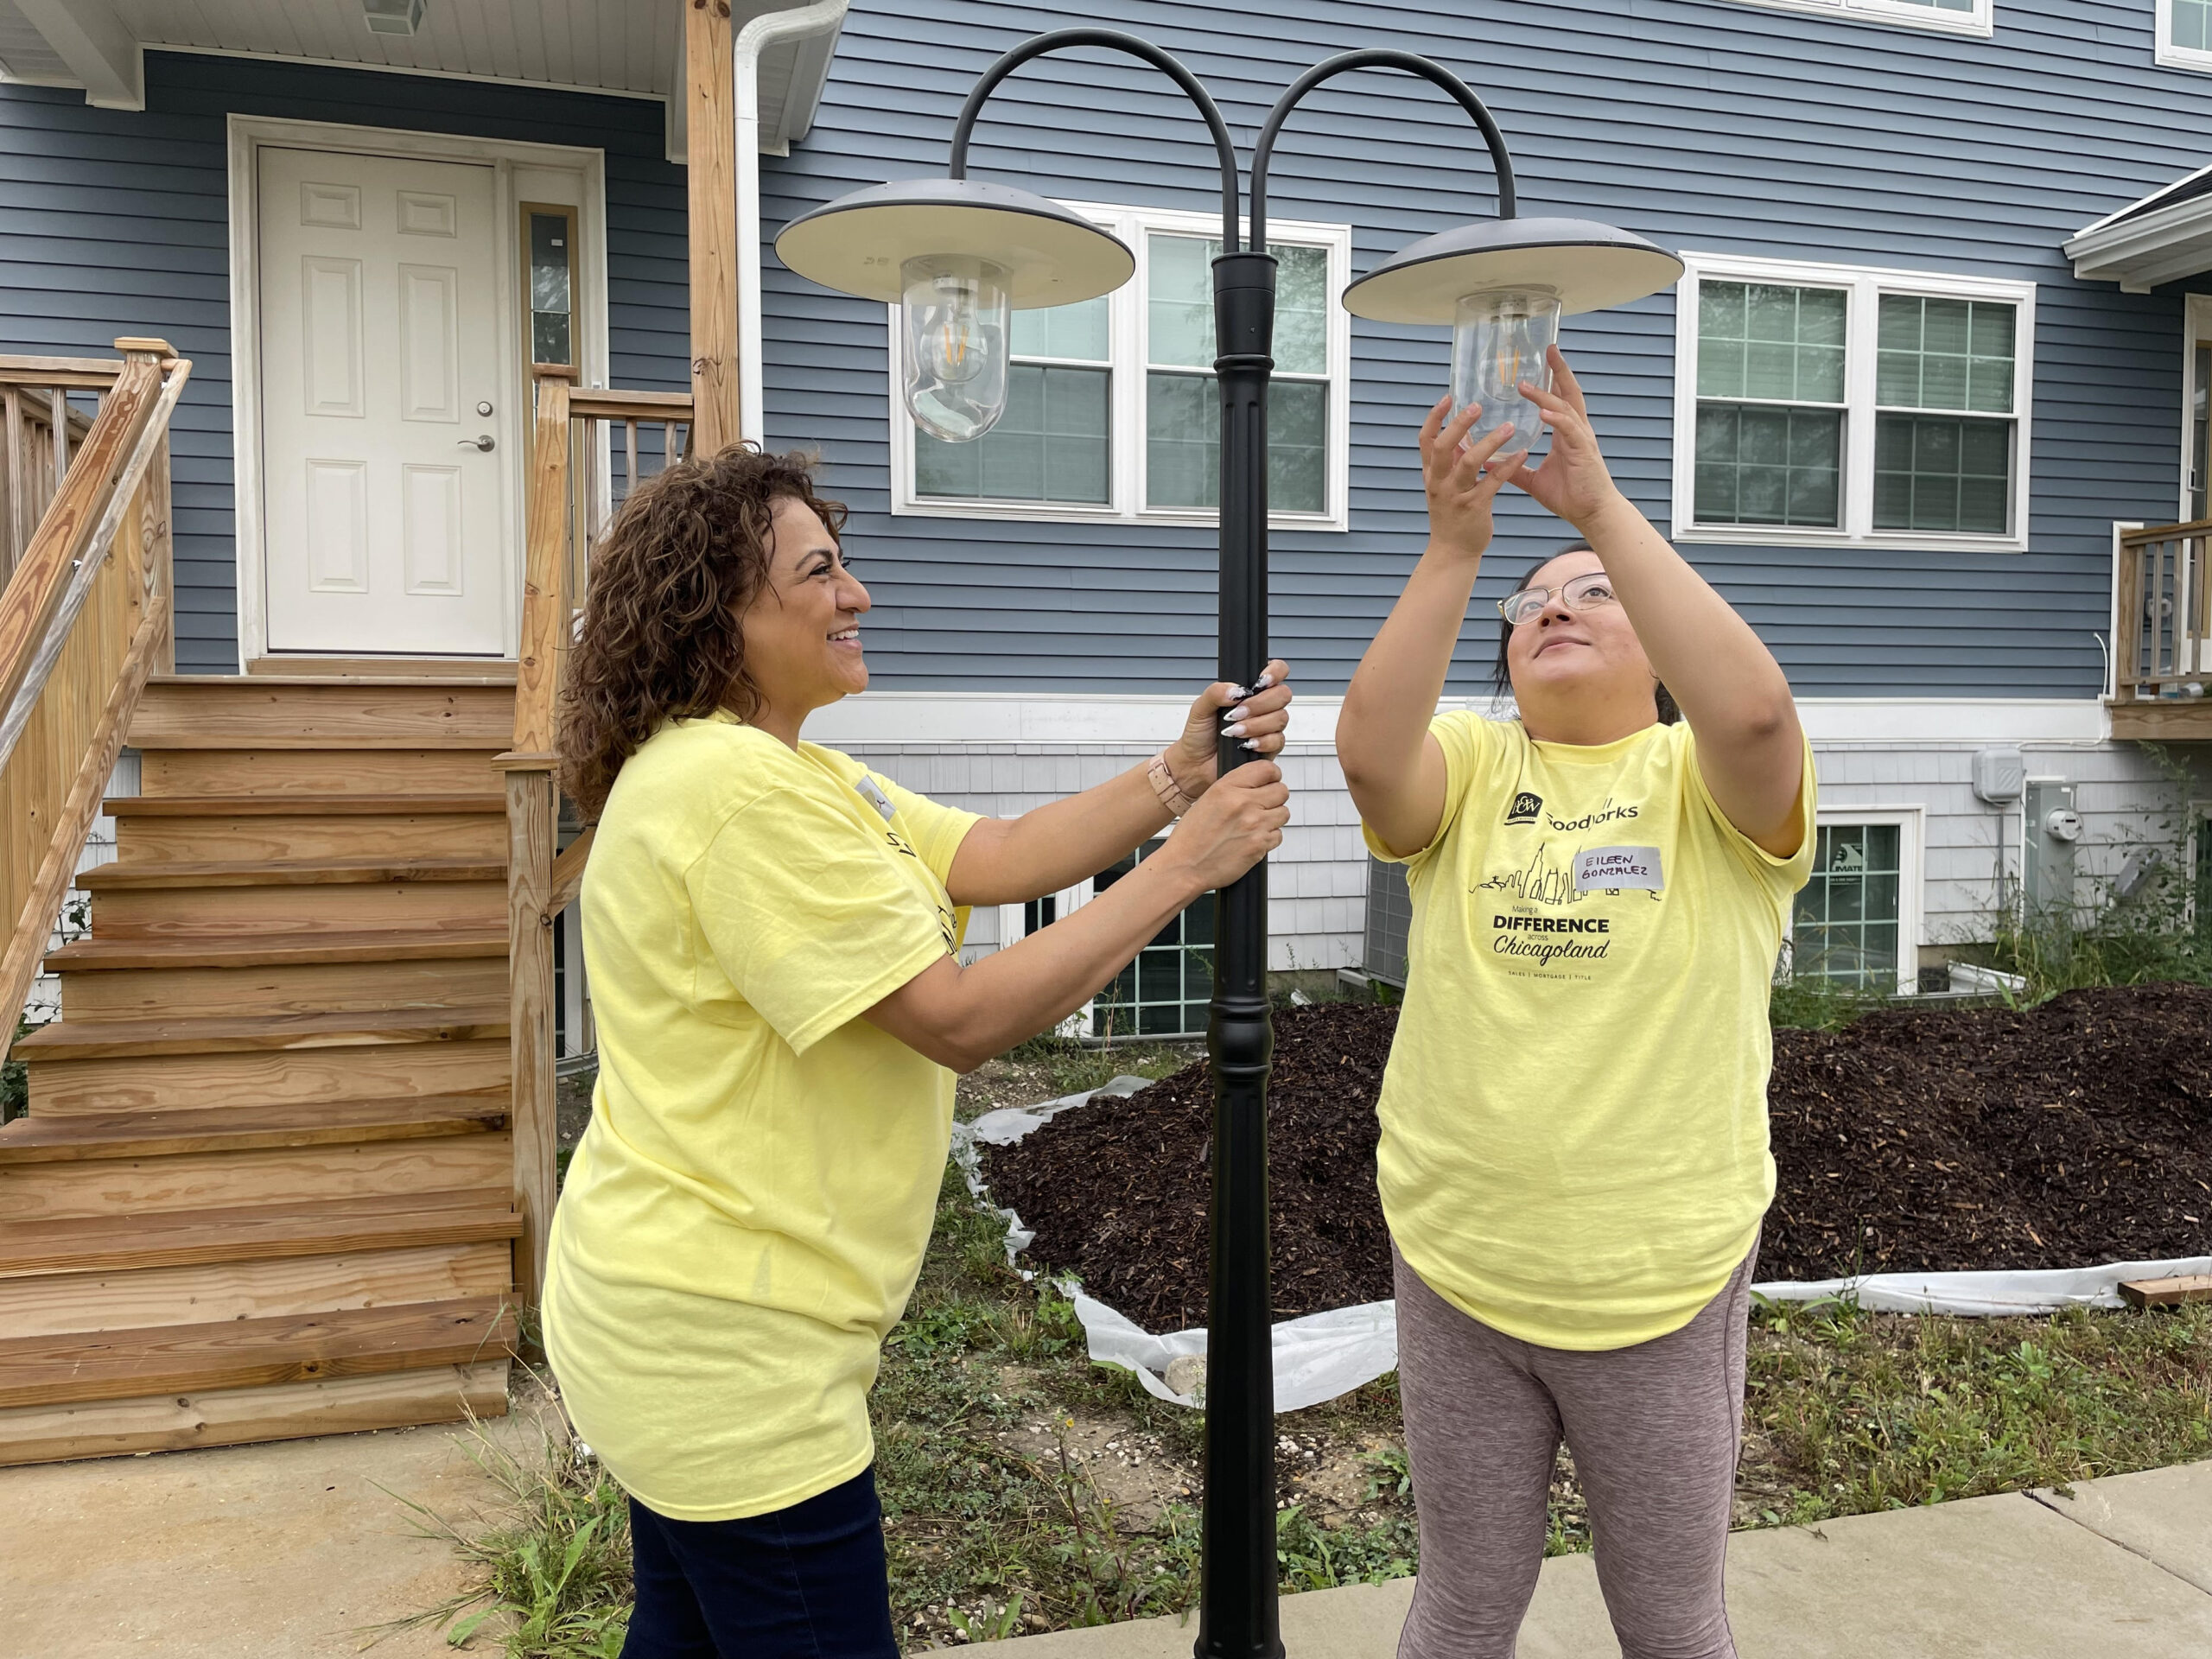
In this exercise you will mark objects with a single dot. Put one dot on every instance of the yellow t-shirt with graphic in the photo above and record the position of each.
(745, 1217)
(1574, 1134)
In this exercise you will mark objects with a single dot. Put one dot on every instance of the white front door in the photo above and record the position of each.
(386, 447)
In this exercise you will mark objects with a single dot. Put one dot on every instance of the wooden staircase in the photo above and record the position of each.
(267, 1183)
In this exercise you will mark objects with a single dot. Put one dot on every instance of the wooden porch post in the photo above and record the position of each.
(711, 117)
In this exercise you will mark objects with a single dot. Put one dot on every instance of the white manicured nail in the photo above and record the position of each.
(1248, 744)
(1237, 730)
(1263, 682)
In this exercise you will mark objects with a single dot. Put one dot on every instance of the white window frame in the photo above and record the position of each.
(2175, 57)
(1128, 311)
(1865, 285)
(1981, 21)
(1911, 820)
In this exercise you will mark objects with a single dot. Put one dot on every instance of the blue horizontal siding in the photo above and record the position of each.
(1724, 127)
(115, 222)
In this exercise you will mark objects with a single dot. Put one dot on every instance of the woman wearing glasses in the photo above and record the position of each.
(1574, 1161)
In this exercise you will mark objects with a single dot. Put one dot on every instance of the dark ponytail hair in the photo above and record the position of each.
(1501, 683)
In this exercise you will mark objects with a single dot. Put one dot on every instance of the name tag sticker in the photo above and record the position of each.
(1606, 868)
(872, 792)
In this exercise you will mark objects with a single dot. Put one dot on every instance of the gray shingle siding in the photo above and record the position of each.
(1719, 126)
(115, 222)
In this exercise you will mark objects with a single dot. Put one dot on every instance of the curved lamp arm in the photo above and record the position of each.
(1371, 58)
(1116, 39)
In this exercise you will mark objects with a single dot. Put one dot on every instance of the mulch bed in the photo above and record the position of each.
(1915, 1139)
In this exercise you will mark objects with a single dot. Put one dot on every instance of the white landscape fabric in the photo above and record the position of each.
(1324, 1355)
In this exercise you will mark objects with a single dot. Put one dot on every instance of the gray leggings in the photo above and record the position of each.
(1654, 1430)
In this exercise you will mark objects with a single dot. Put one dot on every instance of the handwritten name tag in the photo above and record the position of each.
(1602, 868)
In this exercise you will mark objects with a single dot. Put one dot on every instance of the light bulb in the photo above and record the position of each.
(956, 315)
(1499, 339)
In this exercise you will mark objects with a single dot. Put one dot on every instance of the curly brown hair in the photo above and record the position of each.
(683, 560)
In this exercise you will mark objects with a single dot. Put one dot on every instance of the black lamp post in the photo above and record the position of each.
(958, 256)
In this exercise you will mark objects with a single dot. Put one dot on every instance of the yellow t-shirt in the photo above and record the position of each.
(746, 1214)
(1574, 1134)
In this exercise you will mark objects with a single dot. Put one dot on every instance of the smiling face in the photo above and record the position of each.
(1576, 673)
(801, 632)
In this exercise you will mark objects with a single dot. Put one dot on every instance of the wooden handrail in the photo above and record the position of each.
(593, 403)
(82, 628)
(77, 373)
(34, 591)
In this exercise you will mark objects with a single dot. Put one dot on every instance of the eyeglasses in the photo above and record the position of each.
(1587, 591)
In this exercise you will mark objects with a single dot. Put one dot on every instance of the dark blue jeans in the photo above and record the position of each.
(808, 1582)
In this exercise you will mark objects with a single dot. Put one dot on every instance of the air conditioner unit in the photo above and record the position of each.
(1390, 922)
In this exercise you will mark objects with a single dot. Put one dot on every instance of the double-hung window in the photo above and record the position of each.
(1837, 405)
(1112, 410)
(1952, 17)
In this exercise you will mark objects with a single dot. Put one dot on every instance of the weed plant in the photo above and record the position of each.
(552, 1571)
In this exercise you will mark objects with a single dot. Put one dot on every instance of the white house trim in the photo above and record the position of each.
(247, 134)
(1128, 360)
(1865, 285)
(100, 50)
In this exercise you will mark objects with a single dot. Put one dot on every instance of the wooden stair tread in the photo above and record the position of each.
(248, 1353)
(46, 1139)
(105, 1039)
(277, 872)
(297, 806)
(269, 949)
(169, 1238)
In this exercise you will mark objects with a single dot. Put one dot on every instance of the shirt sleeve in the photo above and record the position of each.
(1464, 736)
(936, 829)
(1783, 876)
(806, 916)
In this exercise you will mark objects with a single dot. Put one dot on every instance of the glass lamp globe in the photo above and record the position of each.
(957, 313)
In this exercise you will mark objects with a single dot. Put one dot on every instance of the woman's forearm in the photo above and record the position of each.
(1009, 860)
(1383, 731)
(961, 1017)
(1394, 692)
(1723, 677)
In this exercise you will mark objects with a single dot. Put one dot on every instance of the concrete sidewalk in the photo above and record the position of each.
(297, 1550)
(2121, 1569)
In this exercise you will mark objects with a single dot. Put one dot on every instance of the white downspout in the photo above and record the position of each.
(755, 38)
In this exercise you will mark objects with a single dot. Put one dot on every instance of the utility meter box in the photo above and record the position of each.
(2052, 828)
(2000, 775)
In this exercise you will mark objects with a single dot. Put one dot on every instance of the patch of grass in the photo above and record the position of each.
(1862, 1411)
(1811, 1003)
(1067, 1067)
(552, 1568)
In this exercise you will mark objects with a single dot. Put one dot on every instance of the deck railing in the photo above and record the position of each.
(42, 430)
(2162, 643)
(588, 448)
(84, 620)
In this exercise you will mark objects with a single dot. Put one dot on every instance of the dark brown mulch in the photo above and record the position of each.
(1916, 1139)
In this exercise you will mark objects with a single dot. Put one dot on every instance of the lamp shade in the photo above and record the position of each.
(1589, 265)
(860, 243)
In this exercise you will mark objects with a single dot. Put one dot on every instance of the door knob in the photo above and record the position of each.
(482, 440)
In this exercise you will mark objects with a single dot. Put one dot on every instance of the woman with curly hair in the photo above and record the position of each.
(772, 934)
